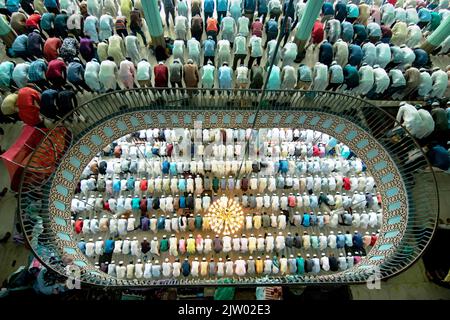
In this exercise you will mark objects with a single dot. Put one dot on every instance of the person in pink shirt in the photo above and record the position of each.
(127, 73)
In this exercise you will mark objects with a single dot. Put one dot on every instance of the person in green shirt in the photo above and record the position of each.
(240, 50)
(164, 245)
(300, 264)
(198, 222)
(208, 77)
(215, 184)
(7, 35)
(6, 70)
(435, 21)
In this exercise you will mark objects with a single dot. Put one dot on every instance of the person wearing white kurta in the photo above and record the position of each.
(154, 246)
(281, 221)
(332, 240)
(373, 220)
(334, 220)
(118, 246)
(134, 247)
(272, 184)
(226, 241)
(325, 262)
(131, 223)
(195, 268)
(148, 270)
(259, 201)
(275, 202)
(280, 242)
(273, 220)
(121, 270)
(364, 220)
(207, 248)
(112, 269)
(236, 243)
(173, 246)
(342, 262)
(122, 226)
(268, 265)
(240, 267)
(283, 202)
(251, 244)
(356, 219)
(126, 246)
(153, 223)
(253, 183)
(99, 246)
(306, 201)
(270, 242)
(266, 201)
(176, 268)
(93, 225)
(260, 243)
(166, 268)
(248, 222)
(220, 268)
(139, 269)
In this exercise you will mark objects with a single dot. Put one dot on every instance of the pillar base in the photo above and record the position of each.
(158, 41)
(428, 47)
(300, 50)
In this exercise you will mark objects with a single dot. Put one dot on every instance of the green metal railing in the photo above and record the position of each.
(420, 211)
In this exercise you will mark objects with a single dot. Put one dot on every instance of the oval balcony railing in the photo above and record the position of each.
(401, 171)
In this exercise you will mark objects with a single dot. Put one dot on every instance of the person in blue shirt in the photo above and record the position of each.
(36, 73)
(20, 47)
(47, 23)
(169, 9)
(161, 222)
(347, 31)
(75, 75)
(225, 77)
(327, 11)
(352, 12)
(351, 76)
(289, 11)
(262, 10)
(306, 220)
(340, 11)
(61, 24)
(49, 105)
(439, 157)
(12, 6)
(82, 245)
(186, 268)
(116, 184)
(130, 183)
(357, 241)
(422, 58)
(360, 33)
(208, 7)
(284, 166)
(35, 43)
(340, 241)
(109, 246)
(424, 17)
(336, 76)
(209, 50)
(165, 167)
(222, 7)
(52, 6)
(326, 53)
(271, 30)
(6, 70)
(355, 55)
